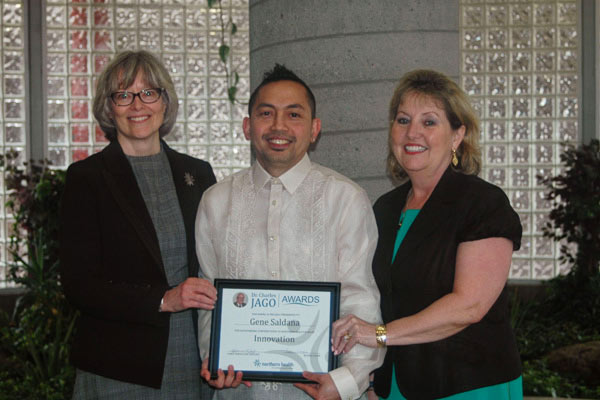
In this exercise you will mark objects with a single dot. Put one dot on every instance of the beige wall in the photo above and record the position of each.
(351, 53)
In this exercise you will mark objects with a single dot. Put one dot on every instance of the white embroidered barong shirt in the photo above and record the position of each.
(310, 224)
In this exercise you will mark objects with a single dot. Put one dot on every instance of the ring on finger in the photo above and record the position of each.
(347, 336)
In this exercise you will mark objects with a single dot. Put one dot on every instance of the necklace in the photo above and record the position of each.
(401, 219)
(408, 197)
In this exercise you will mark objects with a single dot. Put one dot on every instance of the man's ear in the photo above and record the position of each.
(315, 129)
(246, 127)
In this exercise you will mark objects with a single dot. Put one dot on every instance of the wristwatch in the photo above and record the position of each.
(381, 335)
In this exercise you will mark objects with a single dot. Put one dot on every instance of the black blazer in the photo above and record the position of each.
(461, 208)
(111, 266)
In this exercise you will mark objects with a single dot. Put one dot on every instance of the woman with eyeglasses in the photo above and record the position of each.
(128, 259)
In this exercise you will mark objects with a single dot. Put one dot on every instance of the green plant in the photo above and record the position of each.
(575, 215)
(570, 310)
(538, 380)
(543, 325)
(519, 310)
(37, 337)
(232, 78)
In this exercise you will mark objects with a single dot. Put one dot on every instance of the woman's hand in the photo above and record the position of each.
(191, 293)
(231, 380)
(349, 331)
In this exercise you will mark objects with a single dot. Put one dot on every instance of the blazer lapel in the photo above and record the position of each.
(389, 224)
(435, 209)
(185, 181)
(123, 186)
(387, 212)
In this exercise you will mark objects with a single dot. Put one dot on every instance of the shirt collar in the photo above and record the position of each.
(291, 179)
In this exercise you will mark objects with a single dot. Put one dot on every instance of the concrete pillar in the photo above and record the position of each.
(352, 53)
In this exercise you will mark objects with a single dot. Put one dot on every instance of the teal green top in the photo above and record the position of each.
(512, 390)
(406, 219)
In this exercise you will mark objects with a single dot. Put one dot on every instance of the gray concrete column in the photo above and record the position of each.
(352, 53)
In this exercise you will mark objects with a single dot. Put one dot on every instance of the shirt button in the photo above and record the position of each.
(273, 273)
(272, 238)
(274, 202)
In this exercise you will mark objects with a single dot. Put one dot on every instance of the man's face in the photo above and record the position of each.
(240, 298)
(281, 127)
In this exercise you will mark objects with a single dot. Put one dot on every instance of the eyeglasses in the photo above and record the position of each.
(147, 96)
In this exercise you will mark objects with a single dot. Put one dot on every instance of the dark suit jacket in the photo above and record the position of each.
(461, 208)
(111, 266)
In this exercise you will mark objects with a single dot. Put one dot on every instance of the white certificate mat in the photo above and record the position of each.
(274, 330)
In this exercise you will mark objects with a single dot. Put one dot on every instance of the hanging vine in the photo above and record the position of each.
(232, 77)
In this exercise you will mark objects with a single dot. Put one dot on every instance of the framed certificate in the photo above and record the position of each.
(273, 330)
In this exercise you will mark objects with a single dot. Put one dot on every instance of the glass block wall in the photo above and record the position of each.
(13, 101)
(519, 64)
(83, 35)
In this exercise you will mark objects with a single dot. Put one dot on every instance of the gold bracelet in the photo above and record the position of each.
(381, 335)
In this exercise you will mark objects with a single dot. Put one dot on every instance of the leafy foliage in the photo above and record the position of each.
(36, 337)
(569, 311)
(544, 325)
(538, 380)
(575, 216)
(232, 77)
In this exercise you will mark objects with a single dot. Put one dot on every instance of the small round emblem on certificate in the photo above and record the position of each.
(240, 299)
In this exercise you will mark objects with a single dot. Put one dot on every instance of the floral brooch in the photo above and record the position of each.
(189, 179)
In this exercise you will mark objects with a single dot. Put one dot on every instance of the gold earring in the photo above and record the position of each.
(454, 158)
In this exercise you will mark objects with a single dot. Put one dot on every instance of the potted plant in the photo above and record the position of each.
(36, 337)
(559, 334)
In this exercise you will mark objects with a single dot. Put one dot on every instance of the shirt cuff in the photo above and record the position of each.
(344, 383)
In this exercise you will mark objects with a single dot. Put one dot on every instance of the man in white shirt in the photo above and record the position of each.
(286, 218)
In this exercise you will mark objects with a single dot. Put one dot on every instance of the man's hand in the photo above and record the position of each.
(231, 380)
(323, 389)
(191, 293)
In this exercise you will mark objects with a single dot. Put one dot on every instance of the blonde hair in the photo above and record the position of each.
(453, 100)
(120, 73)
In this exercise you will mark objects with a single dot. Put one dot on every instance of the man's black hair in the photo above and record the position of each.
(281, 73)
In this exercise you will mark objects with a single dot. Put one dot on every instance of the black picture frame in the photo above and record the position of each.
(246, 285)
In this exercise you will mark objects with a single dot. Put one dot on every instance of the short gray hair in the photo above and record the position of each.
(119, 74)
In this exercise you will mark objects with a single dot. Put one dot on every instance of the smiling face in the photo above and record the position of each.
(280, 126)
(138, 123)
(421, 137)
(240, 298)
